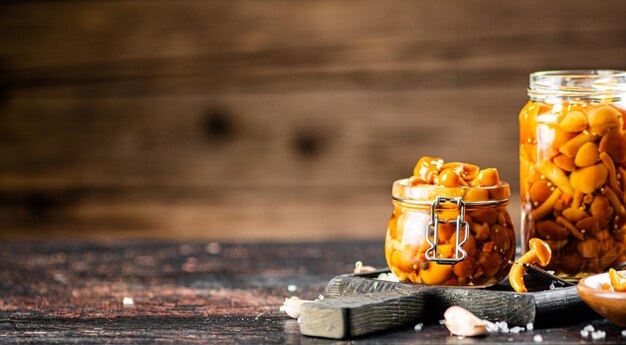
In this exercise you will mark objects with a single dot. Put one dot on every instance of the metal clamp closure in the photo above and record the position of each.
(432, 229)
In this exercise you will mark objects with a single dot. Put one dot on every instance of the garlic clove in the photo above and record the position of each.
(462, 322)
(293, 306)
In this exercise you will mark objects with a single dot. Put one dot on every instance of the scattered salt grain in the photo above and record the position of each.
(530, 326)
(213, 248)
(538, 338)
(492, 328)
(598, 335)
(442, 322)
(419, 326)
(292, 288)
(516, 329)
(389, 277)
(552, 287)
(128, 302)
(589, 328)
(624, 333)
(503, 327)
(584, 333)
(320, 297)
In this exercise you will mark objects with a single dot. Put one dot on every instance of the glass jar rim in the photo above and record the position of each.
(595, 84)
(426, 194)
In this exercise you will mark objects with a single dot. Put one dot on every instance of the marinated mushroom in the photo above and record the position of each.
(539, 252)
(618, 281)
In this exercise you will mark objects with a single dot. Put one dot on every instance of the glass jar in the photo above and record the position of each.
(572, 168)
(467, 241)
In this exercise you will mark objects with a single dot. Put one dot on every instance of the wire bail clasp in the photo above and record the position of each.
(432, 229)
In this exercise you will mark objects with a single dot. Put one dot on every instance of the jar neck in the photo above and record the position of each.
(606, 86)
(469, 206)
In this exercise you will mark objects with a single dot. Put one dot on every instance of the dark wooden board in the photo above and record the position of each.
(191, 292)
(360, 304)
(552, 307)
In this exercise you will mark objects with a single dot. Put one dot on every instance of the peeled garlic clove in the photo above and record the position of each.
(587, 155)
(462, 322)
(614, 144)
(293, 306)
(574, 121)
(588, 179)
(603, 119)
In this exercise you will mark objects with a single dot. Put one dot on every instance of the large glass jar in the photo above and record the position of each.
(572, 168)
(421, 245)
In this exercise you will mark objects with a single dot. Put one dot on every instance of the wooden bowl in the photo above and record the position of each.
(611, 305)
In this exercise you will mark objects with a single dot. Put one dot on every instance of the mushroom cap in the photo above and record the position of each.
(542, 250)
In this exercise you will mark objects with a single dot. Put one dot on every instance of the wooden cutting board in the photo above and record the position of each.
(359, 304)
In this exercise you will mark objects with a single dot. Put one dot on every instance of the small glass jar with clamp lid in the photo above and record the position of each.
(450, 236)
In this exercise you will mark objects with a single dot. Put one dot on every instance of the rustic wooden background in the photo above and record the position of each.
(249, 120)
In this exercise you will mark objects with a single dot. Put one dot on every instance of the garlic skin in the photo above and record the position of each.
(462, 322)
(293, 306)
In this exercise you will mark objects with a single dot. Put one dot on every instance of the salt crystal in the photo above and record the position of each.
(598, 335)
(292, 288)
(389, 277)
(538, 338)
(491, 327)
(589, 328)
(516, 329)
(584, 333)
(530, 326)
(128, 302)
(624, 333)
(213, 248)
(441, 322)
(419, 326)
(320, 297)
(552, 287)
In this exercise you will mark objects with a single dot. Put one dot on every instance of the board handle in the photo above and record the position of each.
(356, 315)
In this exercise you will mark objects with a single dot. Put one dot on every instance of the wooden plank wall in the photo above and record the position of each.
(271, 119)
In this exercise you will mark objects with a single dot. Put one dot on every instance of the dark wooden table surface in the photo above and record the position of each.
(195, 292)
